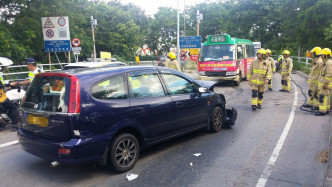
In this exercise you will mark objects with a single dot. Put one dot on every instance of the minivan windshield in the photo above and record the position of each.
(48, 93)
(219, 52)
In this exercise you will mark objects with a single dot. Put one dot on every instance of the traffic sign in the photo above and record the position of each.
(76, 42)
(48, 24)
(57, 45)
(56, 34)
(189, 42)
(49, 33)
(62, 21)
(194, 57)
(76, 49)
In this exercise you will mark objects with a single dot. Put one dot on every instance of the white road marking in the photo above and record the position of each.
(268, 168)
(9, 143)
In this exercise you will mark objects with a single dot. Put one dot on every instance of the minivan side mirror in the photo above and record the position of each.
(202, 90)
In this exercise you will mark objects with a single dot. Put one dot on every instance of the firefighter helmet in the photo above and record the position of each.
(326, 53)
(262, 52)
(268, 51)
(316, 51)
(286, 52)
(172, 55)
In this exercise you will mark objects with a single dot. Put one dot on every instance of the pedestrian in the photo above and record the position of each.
(32, 67)
(171, 61)
(183, 57)
(259, 74)
(270, 60)
(325, 83)
(286, 70)
(316, 68)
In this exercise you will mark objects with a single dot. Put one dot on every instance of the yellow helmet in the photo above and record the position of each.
(316, 51)
(261, 51)
(268, 51)
(326, 52)
(286, 52)
(172, 55)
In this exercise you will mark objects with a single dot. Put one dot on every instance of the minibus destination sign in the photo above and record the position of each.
(217, 39)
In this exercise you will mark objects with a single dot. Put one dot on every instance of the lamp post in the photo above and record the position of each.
(178, 37)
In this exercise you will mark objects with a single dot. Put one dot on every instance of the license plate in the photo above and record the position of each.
(37, 120)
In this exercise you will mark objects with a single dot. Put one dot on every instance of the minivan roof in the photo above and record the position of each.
(104, 72)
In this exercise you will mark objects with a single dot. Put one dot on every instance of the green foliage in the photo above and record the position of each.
(122, 29)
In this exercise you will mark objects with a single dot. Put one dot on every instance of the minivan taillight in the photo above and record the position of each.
(74, 97)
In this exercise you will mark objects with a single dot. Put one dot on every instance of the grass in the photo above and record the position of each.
(301, 66)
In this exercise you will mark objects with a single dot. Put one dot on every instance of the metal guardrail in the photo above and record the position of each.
(41, 66)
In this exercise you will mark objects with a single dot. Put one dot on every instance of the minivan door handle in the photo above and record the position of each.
(138, 109)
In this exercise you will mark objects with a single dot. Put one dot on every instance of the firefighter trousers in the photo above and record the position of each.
(324, 100)
(270, 83)
(285, 81)
(313, 93)
(257, 95)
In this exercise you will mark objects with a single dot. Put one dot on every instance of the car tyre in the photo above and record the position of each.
(216, 119)
(123, 153)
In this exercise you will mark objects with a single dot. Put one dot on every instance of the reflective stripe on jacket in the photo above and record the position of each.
(260, 70)
(286, 66)
(326, 74)
(32, 74)
(273, 65)
(316, 68)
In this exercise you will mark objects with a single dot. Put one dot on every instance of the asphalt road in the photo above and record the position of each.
(237, 156)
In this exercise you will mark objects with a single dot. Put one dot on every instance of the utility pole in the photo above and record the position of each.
(178, 37)
(93, 26)
(199, 19)
(184, 17)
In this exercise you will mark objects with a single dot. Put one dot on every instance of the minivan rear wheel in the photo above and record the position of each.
(216, 119)
(123, 153)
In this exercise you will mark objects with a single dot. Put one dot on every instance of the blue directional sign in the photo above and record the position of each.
(189, 42)
(57, 45)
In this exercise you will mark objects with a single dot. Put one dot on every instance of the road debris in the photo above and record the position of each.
(131, 176)
(191, 164)
(323, 156)
(197, 154)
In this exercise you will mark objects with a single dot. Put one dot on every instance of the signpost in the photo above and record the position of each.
(188, 42)
(56, 35)
(76, 42)
(191, 42)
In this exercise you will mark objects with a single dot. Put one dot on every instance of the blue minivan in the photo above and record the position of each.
(107, 115)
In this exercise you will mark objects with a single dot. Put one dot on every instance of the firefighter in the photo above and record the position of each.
(171, 61)
(286, 70)
(325, 83)
(258, 76)
(273, 65)
(316, 67)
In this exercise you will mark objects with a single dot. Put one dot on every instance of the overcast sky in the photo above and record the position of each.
(151, 6)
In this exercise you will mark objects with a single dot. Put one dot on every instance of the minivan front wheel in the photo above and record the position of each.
(123, 153)
(216, 119)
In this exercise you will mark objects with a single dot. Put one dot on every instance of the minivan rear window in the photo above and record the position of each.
(48, 93)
